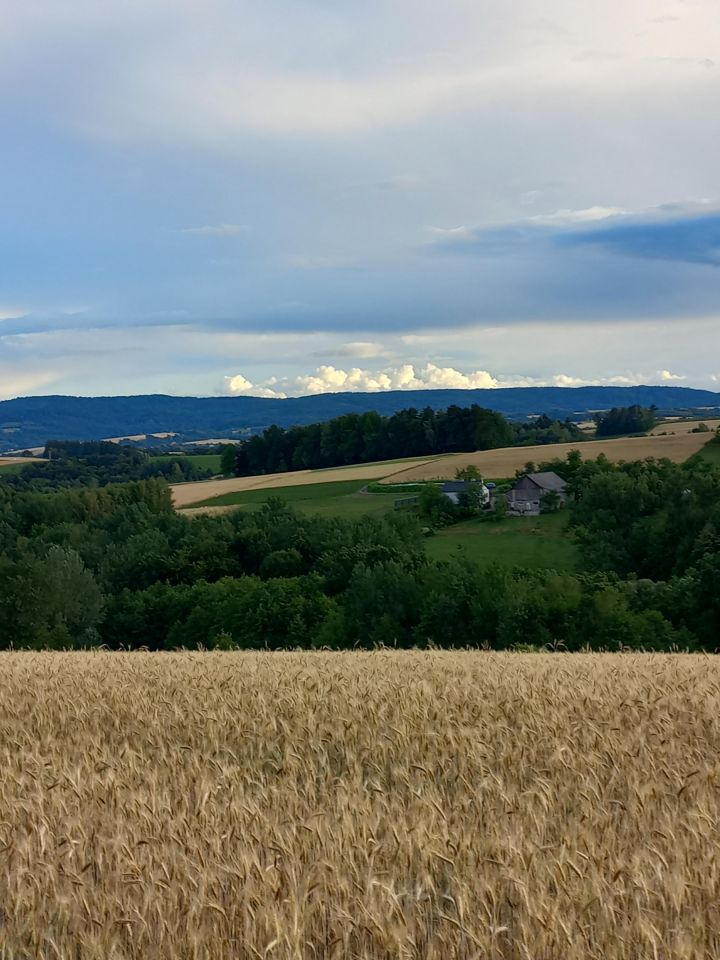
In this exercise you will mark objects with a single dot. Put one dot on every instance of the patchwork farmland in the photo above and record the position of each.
(492, 464)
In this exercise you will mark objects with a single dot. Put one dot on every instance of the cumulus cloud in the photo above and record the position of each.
(408, 376)
(242, 387)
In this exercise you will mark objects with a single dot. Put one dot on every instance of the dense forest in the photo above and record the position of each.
(621, 421)
(97, 464)
(118, 566)
(367, 437)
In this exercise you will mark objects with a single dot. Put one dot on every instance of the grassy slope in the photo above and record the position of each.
(711, 452)
(341, 499)
(517, 541)
(206, 461)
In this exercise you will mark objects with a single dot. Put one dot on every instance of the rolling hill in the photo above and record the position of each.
(31, 421)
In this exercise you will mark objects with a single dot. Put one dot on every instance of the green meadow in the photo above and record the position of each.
(519, 541)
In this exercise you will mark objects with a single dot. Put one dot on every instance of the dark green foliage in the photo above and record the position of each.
(97, 464)
(624, 420)
(368, 437)
(117, 565)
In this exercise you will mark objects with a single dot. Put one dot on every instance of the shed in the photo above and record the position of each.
(454, 488)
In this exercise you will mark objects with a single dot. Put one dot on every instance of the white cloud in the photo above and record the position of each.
(218, 230)
(666, 376)
(331, 379)
(240, 386)
(449, 378)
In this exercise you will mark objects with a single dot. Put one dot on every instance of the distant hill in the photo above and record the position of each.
(32, 421)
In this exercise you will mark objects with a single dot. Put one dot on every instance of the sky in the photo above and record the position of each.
(283, 197)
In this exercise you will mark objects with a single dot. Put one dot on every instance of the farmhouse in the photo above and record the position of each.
(525, 498)
(453, 489)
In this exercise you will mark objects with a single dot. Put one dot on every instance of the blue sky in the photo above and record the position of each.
(287, 197)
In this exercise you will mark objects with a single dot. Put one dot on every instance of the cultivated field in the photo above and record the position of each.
(683, 426)
(505, 461)
(186, 494)
(359, 805)
(492, 463)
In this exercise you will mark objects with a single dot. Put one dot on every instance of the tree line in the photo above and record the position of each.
(118, 566)
(367, 437)
(70, 463)
(625, 420)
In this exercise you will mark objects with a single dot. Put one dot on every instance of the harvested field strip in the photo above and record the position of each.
(190, 494)
(14, 464)
(371, 805)
(505, 461)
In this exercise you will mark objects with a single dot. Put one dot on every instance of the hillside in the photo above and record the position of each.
(32, 421)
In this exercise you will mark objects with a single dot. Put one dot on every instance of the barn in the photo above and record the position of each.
(526, 496)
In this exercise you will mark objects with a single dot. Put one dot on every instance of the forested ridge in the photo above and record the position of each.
(118, 566)
(32, 421)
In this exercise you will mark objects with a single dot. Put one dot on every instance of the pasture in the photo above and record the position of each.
(339, 498)
(380, 805)
(711, 452)
(518, 541)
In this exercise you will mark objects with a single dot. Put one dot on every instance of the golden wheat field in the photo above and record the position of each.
(683, 426)
(359, 805)
(506, 460)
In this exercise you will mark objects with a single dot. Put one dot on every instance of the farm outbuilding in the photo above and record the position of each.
(525, 498)
(453, 490)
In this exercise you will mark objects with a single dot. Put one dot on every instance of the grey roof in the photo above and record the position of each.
(458, 486)
(548, 480)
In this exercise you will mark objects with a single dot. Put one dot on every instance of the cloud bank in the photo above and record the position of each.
(329, 379)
